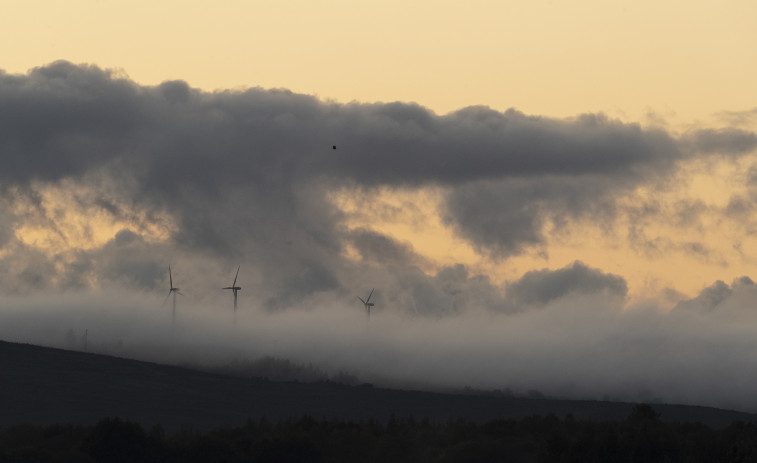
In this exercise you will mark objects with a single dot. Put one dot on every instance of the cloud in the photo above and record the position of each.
(130, 261)
(503, 218)
(540, 287)
(575, 347)
(469, 291)
(739, 118)
(403, 144)
(246, 176)
(243, 175)
(382, 249)
(717, 295)
(7, 219)
(62, 119)
(726, 141)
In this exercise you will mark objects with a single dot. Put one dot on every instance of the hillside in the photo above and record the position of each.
(42, 385)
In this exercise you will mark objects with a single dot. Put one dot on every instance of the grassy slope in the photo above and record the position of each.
(43, 385)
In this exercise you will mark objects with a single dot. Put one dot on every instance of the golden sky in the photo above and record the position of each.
(674, 58)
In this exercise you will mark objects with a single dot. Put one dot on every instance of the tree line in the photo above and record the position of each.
(642, 437)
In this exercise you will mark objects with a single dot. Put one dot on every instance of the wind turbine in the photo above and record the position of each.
(173, 291)
(367, 303)
(234, 288)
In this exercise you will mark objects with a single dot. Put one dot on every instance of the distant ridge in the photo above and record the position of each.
(43, 385)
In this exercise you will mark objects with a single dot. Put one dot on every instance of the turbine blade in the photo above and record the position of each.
(170, 278)
(361, 300)
(180, 294)
(235, 277)
(167, 296)
(369, 296)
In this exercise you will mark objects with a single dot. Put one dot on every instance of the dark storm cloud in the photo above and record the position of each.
(725, 141)
(245, 176)
(453, 290)
(716, 295)
(406, 144)
(465, 290)
(6, 221)
(62, 120)
(501, 218)
(382, 249)
(540, 287)
(128, 260)
(496, 217)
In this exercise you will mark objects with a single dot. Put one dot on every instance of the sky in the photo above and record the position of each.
(545, 195)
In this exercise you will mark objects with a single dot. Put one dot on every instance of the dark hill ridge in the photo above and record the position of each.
(43, 385)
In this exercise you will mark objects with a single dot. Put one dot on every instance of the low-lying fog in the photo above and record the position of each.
(576, 347)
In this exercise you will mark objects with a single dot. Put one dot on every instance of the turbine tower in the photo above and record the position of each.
(367, 303)
(234, 288)
(173, 291)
